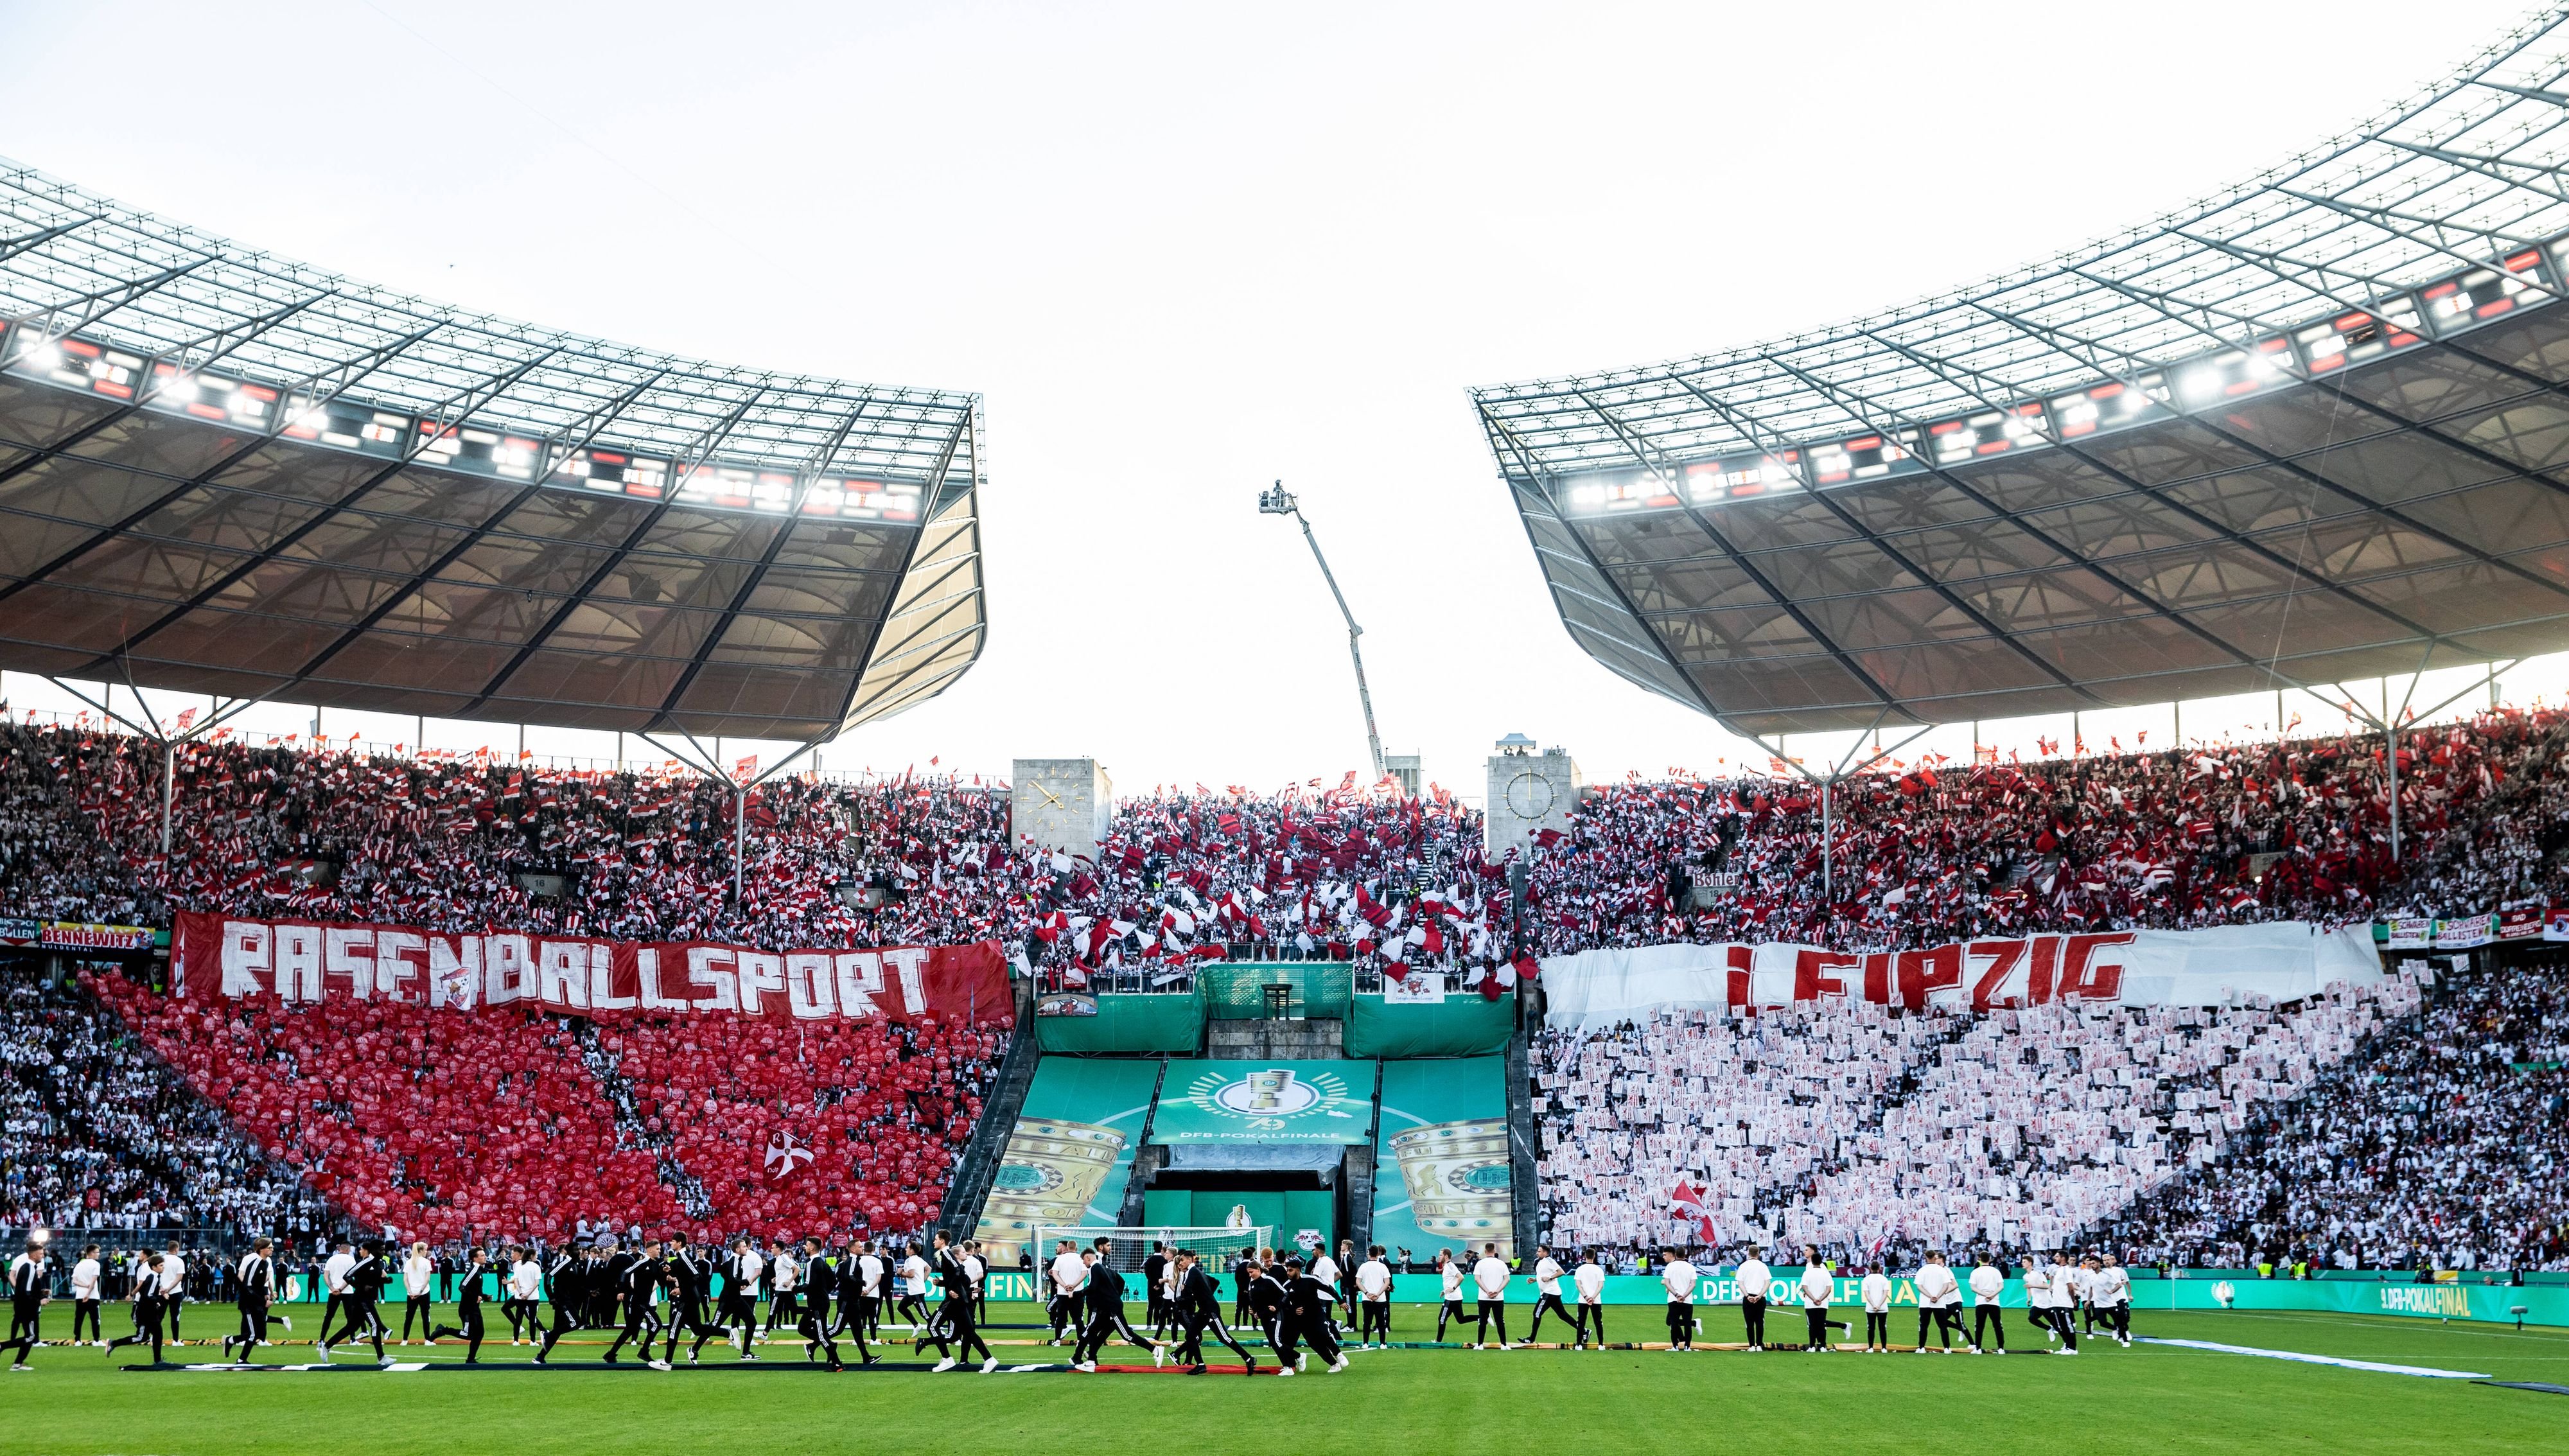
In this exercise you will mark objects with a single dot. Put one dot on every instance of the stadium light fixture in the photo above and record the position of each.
(1276, 501)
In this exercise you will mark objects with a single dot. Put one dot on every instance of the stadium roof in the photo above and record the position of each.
(224, 472)
(2311, 430)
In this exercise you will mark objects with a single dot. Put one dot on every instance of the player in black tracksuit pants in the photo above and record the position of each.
(952, 1327)
(635, 1282)
(147, 1309)
(1197, 1308)
(365, 1291)
(1303, 1316)
(820, 1287)
(31, 1279)
(570, 1288)
(1105, 1300)
(690, 1276)
(468, 1309)
(256, 1278)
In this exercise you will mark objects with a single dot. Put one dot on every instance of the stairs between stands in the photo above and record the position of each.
(1278, 1040)
(980, 1164)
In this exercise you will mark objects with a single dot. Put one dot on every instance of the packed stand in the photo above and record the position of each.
(2443, 1145)
(1848, 1129)
(1932, 851)
(95, 1132)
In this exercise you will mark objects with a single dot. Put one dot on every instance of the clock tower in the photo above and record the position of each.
(1529, 790)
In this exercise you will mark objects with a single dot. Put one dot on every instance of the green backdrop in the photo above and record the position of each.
(1236, 990)
(1128, 1023)
(1290, 1212)
(1071, 1152)
(1203, 1101)
(1461, 1025)
(1440, 1172)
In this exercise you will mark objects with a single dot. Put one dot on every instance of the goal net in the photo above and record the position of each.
(1217, 1246)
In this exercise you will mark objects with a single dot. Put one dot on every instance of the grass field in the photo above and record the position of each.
(1409, 1403)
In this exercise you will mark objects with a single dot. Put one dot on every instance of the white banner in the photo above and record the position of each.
(2282, 961)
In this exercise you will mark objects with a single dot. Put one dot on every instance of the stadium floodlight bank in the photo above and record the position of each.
(1129, 1244)
(224, 472)
(2308, 430)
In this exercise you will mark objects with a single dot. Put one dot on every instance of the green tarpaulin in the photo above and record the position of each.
(1462, 1025)
(1126, 1023)
(1440, 1173)
(1265, 1102)
(1236, 990)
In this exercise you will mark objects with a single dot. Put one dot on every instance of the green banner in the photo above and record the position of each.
(1121, 1024)
(1265, 1102)
(1237, 991)
(1440, 1169)
(1071, 1152)
(1290, 1212)
(1459, 1026)
(2487, 1304)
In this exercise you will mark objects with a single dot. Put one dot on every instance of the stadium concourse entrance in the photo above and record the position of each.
(1189, 1109)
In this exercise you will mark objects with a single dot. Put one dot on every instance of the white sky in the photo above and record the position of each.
(1186, 250)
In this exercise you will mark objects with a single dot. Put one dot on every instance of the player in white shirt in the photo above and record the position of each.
(334, 1282)
(914, 1290)
(1756, 1286)
(873, 1273)
(173, 1288)
(1331, 1277)
(1450, 1275)
(784, 1276)
(1937, 1295)
(1373, 1303)
(2114, 1302)
(2082, 1284)
(1069, 1275)
(1546, 1291)
(417, 1292)
(87, 1296)
(1989, 1283)
(1590, 1281)
(1490, 1278)
(2047, 1292)
(1875, 1291)
(1818, 1285)
(526, 1291)
(1677, 1276)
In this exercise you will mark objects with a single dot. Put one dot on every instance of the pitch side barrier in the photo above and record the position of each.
(2489, 1304)
(2486, 1303)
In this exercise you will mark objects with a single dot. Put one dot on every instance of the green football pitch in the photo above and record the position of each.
(2151, 1397)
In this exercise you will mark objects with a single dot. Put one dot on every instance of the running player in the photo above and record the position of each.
(1547, 1291)
(253, 1290)
(1449, 1277)
(468, 1325)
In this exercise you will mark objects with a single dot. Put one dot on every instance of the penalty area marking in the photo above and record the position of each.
(2340, 1362)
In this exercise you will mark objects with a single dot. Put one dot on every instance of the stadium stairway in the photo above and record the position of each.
(1522, 1141)
(980, 1164)
(1273, 1038)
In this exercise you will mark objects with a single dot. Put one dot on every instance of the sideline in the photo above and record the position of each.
(2309, 1359)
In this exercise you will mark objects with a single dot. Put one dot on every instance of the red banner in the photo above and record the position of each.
(313, 960)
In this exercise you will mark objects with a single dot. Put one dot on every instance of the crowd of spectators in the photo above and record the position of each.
(1851, 1129)
(1927, 853)
(2443, 1144)
(95, 1134)
(415, 1130)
